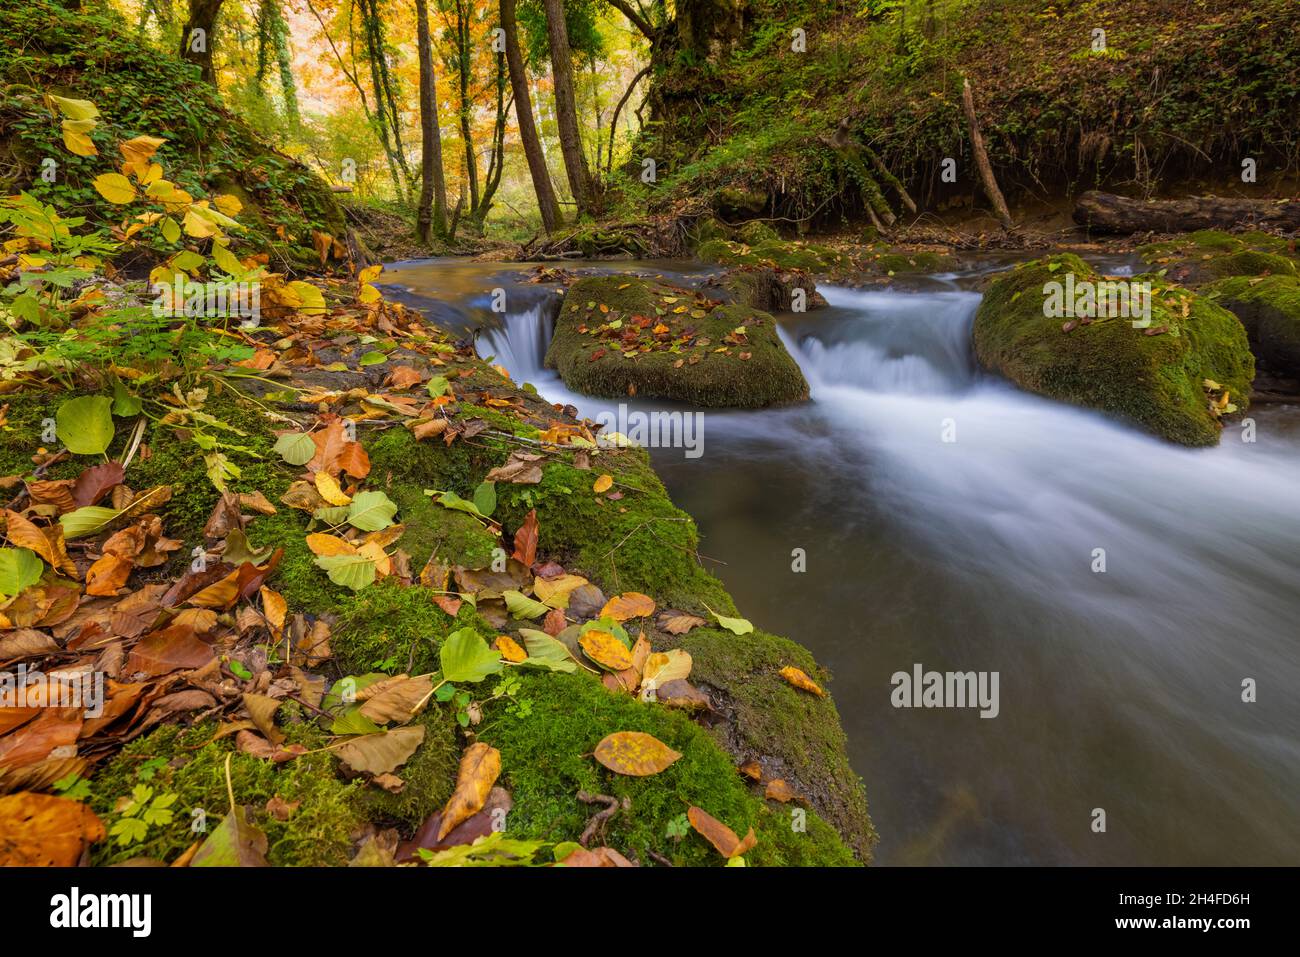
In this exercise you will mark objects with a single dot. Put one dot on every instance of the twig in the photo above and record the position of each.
(600, 818)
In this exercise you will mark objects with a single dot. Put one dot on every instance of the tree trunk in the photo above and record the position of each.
(547, 204)
(1108, 213)
(431, 217)
(566, 109)
(198, 36)
(982, 158)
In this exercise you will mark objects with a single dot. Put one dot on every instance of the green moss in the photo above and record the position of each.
(546, 760)
(693, 372)
(895, 262)
(755, 232)
(1270, 311)
(774, 251)
(391, 627)
(1155, 381)
(1249, 262)
(430, 775)
(769, 718)
(192, 766)
(431, 529)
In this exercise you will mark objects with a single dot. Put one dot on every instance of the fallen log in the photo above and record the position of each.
(1106, 212)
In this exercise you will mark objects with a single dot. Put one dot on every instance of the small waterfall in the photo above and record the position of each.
(520, 342)
(891, 342)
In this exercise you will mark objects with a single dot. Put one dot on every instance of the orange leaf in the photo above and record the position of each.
(602, 484)
(40, 830)
(107, 575)
(802, 681)
(221, 594)
(718, 834)
(327, 545)
(509, 649)
(354, 460)
(630, 604)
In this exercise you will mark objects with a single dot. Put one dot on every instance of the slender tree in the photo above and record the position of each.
(546, 201)
(431, 217)
(199, 35)
(584, 189)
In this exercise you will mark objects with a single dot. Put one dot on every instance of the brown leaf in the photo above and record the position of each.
(225, 517)
(480, 766)
(329, 443)
(261, 709)
(526, 540)
(96, 482)
(25, 643)
(52, 728)
(634, 753)
(778, 790)
(398, 701)
(554, 622)
(280, 809)
(171, 649)
(677, 622)
(718, 834)
(57, 493)
(256, 502)
(40, 830)
(596, 857)
(353, 460)
(752, 770)
(383, 752)
(520, 469)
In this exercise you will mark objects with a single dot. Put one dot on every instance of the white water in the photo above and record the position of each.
(1120, 690)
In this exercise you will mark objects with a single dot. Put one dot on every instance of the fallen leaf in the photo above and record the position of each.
(628, 605)
(801, 681)
(383, 752)
(606, 650)
(526, 540)
(634, 753)
(718, 834)
(602, 484)
(40, 830)
(480, 766)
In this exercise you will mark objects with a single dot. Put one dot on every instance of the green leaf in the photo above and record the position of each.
(125, 404)
(452, 500)
(236, 842)
(521, 606)
(372, 359)
(86, 520)
(546, 652)
(20, 568)
(737, 626)
(465, 656)
(85, 424)
(350, 571)
(296, 448)
(371, 511)
(438, 385)
(353, 721)
(485, 498)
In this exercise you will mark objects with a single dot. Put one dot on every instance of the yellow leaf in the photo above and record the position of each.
(115, 188)
(480, 766)
(73, 109)
(370, 273)
(606, 650)
(369, 294)
(375, 552)
(78, 143)
(634, 753)
(555, 592)
(197, 226)
(227, 204)
(313, 301)
(328, 486)
(602, 484)
(140, 150)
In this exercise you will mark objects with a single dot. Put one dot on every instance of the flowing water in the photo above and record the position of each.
(953, 522)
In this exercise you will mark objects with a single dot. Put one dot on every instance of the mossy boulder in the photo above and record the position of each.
(1175, 378)
(755, 232)
(619, 336)
(1208, 254)
(775, 252)
(771, 289)
(1269, 308)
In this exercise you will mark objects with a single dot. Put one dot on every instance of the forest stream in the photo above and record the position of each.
(952, 521)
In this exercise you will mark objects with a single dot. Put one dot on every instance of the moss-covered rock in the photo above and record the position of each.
(755, 232)
(775, 252)
(191, 765)
(1155, 377)
(1209, 254)
(771, 289)
(620, 336)
(1269, 308)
